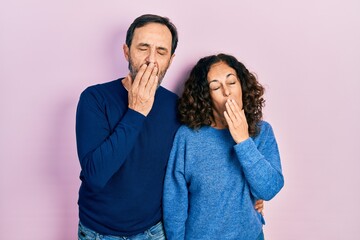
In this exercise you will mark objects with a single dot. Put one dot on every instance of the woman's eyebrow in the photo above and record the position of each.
(230, 74)
(215, 80)
(227, 76)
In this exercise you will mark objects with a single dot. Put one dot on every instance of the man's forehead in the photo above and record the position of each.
(153, 34)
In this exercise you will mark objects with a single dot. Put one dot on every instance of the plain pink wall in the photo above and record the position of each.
(306, 53)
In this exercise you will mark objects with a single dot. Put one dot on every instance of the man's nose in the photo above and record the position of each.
(151, 57)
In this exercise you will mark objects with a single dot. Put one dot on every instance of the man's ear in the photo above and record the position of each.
(171, 59)
(126, 51)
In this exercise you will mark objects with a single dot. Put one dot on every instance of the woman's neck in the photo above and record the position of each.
(219, 122)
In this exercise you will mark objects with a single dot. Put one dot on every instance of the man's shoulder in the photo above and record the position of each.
(100, 88)
(167, 93)
(105, 85)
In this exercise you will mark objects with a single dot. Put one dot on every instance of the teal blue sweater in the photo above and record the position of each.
(212, 183)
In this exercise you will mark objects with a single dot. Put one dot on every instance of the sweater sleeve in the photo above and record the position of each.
(175, 199)
(102, 150)
(261, 164)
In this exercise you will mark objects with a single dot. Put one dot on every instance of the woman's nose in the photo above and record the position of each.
(226, 91)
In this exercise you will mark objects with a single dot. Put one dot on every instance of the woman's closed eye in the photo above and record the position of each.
(214, 86)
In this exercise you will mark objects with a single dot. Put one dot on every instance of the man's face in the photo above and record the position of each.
(150, 43)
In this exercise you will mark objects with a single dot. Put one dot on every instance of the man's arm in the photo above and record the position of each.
(102, 151)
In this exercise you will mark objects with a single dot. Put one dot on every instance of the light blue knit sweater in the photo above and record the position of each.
(212, 183)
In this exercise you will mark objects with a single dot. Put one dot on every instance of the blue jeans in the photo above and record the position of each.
(156, 232)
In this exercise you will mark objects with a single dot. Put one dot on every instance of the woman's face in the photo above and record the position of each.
(224, 84)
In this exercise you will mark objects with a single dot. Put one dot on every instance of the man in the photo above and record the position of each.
(125, 130)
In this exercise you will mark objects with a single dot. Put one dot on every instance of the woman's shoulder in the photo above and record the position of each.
(265, 129)
(185, 130)
(264, 125)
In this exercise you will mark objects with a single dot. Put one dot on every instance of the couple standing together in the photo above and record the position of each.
(155, 166)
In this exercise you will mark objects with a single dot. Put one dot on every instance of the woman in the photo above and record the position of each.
(224, 157)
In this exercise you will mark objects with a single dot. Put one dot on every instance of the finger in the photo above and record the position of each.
(235, 109)
(139, 75)
(152, 78)
(146, 77)
(228, 120)
(151, 86)
(259, 206)
(153, 82)
(243, 116)
(229, 110)
(154, 86)
(258, 203)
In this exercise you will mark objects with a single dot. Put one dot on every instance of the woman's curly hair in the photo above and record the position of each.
(195, 105)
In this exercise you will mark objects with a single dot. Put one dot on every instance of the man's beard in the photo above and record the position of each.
(134, 71)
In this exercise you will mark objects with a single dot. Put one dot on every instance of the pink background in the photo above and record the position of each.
(306, 53)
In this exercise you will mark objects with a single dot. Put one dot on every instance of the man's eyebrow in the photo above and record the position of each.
(143, 45)
(148, 45)
(163, 49)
